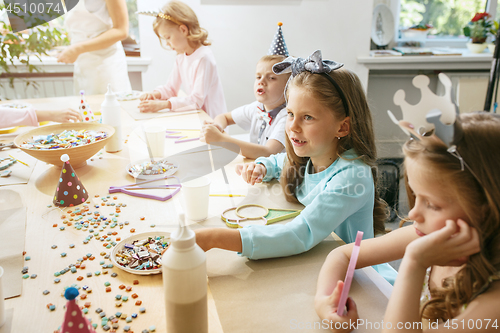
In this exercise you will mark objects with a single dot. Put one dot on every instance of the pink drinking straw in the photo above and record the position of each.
(349, 274)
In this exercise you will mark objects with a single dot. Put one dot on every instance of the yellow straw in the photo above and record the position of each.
(18, 160)
(226, 195)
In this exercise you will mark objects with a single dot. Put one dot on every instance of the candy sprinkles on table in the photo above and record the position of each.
(98, 221)
(66, 139)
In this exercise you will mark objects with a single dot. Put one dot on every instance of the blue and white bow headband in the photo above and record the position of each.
(313, 64)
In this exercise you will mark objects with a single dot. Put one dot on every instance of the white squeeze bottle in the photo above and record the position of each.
(111, 115)
(185, 283)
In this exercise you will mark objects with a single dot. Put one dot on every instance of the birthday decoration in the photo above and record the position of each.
(74, 321)
(70, 191)
(278, 45)
(85, 110)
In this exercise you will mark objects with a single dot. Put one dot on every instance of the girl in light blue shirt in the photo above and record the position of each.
(328, 166)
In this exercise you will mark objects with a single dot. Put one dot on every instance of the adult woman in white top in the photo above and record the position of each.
(96, 28)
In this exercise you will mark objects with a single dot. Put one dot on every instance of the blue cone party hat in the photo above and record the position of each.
(278, 46)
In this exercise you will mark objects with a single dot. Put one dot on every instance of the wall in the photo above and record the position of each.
(242, 31)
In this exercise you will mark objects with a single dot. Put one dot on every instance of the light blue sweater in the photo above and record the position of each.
(338, 199)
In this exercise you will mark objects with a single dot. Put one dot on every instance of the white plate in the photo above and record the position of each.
(383, 28)
(128, 95)
(129, 240)
(148, 177)
(15, 105)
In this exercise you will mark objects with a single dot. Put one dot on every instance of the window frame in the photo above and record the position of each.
(491, 7)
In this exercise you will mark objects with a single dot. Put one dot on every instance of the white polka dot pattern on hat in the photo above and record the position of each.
(278, 45)
(73, 313)
(80, 326)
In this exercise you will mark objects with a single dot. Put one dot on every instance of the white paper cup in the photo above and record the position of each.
(196, 194)
(2, 301)
(156, 139)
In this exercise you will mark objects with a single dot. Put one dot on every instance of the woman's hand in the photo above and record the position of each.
(450, 246)
(211, 133)
(326, 308)
(154, 105)
(252, 173)
(150, 96)
(69, 55)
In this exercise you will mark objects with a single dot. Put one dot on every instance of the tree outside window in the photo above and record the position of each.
(447, 16)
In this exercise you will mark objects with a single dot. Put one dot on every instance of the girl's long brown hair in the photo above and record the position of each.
(478, 193)
(360, 137)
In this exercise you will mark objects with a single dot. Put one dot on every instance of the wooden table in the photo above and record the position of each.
(28, 313)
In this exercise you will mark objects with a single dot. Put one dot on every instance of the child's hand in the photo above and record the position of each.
(150, 96)
(154, 105)
(210, 133)
(252, 173)
(59, 116)
(209, 122)
(450, 246)
(326, 308)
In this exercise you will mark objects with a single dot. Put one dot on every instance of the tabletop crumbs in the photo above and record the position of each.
(57, 280)
(142, 310)
(51, 307)
(25, 276)
(33, 276)
(27, 258)
(54, 246)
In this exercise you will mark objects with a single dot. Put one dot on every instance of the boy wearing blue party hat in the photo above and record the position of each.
(265, 118)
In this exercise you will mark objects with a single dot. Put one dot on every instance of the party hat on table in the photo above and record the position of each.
(84, 108)
(74, 321)
(70, 191)
(278, 45)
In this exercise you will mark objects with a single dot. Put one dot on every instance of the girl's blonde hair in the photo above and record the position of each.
(360, 137)
(181, 13)
(477, 191)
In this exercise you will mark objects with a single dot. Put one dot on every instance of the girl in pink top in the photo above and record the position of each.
(177, 25)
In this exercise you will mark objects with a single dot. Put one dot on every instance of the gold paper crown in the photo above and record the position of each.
(163, 16)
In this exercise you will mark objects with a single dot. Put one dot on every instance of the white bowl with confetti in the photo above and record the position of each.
(141, 253)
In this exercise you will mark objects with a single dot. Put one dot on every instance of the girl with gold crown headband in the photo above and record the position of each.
(449, 276)
(177, 26)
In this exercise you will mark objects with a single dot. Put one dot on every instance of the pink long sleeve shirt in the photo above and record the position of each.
(198, 74)
(15, 117)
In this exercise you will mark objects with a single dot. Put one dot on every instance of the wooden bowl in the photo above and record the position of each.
(78, 156)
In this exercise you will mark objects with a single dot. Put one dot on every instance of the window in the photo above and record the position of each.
(447, 16)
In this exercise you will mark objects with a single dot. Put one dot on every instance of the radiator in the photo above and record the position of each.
(47, 86)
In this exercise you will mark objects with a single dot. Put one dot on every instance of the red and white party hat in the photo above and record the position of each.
(74, 321)
(70, 190)
(84, 108)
